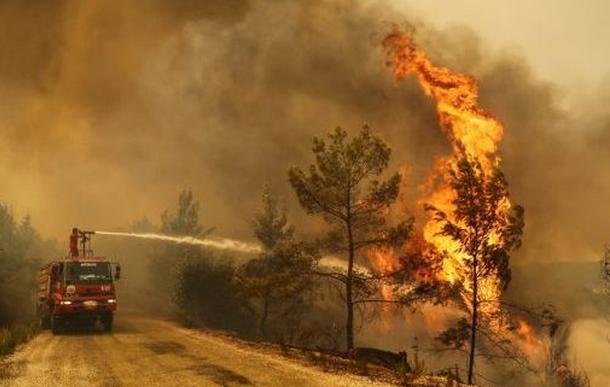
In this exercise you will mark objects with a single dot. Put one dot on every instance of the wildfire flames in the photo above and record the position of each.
(469, 128)
(472, 131)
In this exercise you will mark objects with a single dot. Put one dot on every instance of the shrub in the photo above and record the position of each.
(207, 295)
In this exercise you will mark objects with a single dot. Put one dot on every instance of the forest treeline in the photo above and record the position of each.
(22, 250)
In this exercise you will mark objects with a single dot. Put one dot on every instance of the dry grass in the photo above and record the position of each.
(11, 338)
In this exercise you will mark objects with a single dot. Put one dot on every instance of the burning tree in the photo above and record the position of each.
(274, 280)
(343, 187)
(473, 226)
(486, 228)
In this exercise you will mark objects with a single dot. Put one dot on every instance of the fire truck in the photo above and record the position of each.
(78, 289)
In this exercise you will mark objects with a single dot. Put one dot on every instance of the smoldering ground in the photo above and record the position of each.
(109, 109)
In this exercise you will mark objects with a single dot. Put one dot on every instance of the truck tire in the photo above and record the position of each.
(107, 323)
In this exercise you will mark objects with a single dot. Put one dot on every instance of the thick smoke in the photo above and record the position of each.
(109, 109)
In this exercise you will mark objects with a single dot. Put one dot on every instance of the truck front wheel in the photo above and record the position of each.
(107, 322)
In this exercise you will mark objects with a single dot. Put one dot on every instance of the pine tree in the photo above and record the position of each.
(277, 280)
(486, 232)
(343, 187)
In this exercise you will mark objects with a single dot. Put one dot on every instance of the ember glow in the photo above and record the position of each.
(383, 259)
(470, 129)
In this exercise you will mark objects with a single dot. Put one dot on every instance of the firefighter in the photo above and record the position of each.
(74, 242)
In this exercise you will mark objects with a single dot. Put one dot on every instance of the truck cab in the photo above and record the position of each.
(77, 289)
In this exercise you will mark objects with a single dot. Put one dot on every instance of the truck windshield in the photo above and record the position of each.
(88, 271)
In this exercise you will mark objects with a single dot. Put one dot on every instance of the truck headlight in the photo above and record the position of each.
(112, 301)
(65, 302)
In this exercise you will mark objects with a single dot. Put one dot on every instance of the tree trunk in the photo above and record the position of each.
(473, 325)
(349, 325)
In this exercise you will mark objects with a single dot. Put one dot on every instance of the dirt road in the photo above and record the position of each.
(146, 352)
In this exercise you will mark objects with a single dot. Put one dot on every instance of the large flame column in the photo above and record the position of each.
(471, 131)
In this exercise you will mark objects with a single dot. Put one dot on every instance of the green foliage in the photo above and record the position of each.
(21, 250)
(201, 284)
(344, 187)
(278, 286)
(270, 224)
(276, 281)
(185, 221)
(207, 295)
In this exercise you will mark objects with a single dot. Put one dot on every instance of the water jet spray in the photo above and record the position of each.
(216, 243)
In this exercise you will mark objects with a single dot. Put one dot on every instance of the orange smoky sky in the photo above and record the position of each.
(109, 109)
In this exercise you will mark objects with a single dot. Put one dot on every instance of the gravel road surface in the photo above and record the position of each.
(146, 352)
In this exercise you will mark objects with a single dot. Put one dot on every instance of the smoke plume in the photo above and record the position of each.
(109, 109)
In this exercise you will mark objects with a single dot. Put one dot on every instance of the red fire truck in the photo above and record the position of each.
(79, 288)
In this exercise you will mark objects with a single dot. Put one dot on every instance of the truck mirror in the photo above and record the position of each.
(117, 273)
